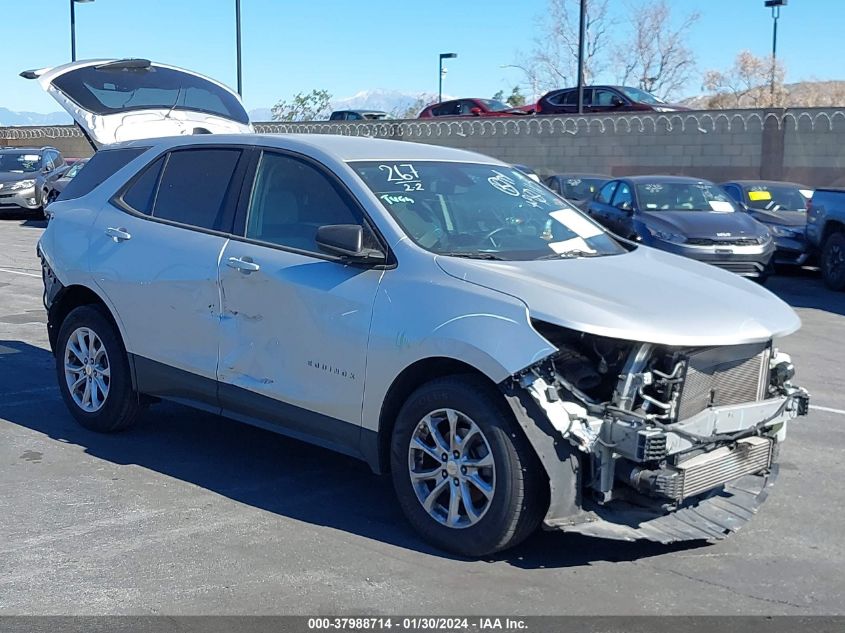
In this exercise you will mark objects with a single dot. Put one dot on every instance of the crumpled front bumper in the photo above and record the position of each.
(712, 518)
(566, 454)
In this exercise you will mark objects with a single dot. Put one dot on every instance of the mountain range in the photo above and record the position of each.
(10, 117)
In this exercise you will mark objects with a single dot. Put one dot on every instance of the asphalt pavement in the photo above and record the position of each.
(188, 513)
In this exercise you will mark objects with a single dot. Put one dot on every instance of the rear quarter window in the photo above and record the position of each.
(98, 169)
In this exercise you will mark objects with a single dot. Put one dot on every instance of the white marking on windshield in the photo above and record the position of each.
(573, 244)
(576, 223)
(504, 184)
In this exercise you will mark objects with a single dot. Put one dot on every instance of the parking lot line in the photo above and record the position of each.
(828, 409)
(18, 272)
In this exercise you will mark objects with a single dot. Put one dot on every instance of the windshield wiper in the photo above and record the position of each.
(573, 254)
(472, 255)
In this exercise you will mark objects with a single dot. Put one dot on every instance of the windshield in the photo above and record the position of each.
(640, 96)
(21, 162)
(578, 188)
(683, 196)
(495, 106)
(776, 198)
(484, 211)
(120, 89)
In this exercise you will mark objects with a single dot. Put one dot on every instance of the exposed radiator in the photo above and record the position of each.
(723, 376)
(709, 470)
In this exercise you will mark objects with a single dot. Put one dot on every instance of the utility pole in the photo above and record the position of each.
(582, 32)
(238, 45)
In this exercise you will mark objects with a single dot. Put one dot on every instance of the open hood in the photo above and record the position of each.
(645, 295)
(116, 100)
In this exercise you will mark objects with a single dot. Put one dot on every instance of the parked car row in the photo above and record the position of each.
(743, 225)
(596, 100)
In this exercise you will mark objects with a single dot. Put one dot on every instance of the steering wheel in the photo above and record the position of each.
(496, 231)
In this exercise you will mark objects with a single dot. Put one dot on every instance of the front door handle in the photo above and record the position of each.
(243, 264)
(118, 235)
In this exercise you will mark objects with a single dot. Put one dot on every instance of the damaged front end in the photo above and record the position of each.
(643, 441)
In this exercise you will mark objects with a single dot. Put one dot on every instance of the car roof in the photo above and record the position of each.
(340, 147)
(751, 183)
(590, 87)
(25, 149)
(666, 179)
(575, 174)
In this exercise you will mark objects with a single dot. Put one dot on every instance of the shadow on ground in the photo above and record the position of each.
(262, 469)
(805, 289)
(29, 219)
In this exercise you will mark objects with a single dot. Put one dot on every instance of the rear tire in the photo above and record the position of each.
(500, 500)
(833, 261)
(92, 368)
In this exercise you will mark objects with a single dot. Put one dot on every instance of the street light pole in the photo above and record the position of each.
(582, 32)
(440, 75)
(775, 6)
(73, 27)
(238, 44)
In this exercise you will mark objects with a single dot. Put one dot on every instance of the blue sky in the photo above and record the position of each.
(346, 47)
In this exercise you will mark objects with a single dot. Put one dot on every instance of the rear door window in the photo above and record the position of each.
(140, 195)
(100, 168)
(194, 188)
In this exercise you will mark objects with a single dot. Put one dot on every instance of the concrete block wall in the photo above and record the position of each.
(804, 145)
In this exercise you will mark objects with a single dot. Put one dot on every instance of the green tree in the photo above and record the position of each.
(516, 98)
(304, 106)
(499, 96)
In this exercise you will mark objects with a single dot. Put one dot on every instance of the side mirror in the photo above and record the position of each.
(616, 102)
(347, 240)
(476, 111)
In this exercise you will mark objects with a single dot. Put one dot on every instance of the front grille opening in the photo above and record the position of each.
(723, 376)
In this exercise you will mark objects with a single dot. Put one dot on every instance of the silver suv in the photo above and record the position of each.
(431, 311)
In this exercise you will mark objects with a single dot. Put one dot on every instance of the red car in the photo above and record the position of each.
(470, 107)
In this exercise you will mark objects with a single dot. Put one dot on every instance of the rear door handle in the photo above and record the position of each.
(243, 264)
(118, 235)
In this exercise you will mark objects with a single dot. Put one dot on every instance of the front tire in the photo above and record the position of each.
(465, 475)
(833, 261)
(92, 368)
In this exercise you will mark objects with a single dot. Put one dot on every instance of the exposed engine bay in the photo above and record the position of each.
(657, 427)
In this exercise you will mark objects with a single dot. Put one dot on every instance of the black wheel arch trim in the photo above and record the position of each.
(559, 459)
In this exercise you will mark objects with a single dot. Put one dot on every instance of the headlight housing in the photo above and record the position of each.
(783, 231)
(23, 184)
(667, 236)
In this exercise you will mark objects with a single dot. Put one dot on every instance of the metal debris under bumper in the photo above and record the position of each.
(711, 518)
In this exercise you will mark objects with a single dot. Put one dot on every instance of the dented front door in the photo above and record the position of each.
(294, 330)
(295, 322)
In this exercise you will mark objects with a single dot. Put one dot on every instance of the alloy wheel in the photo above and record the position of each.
(87, 369)
(452, 469)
